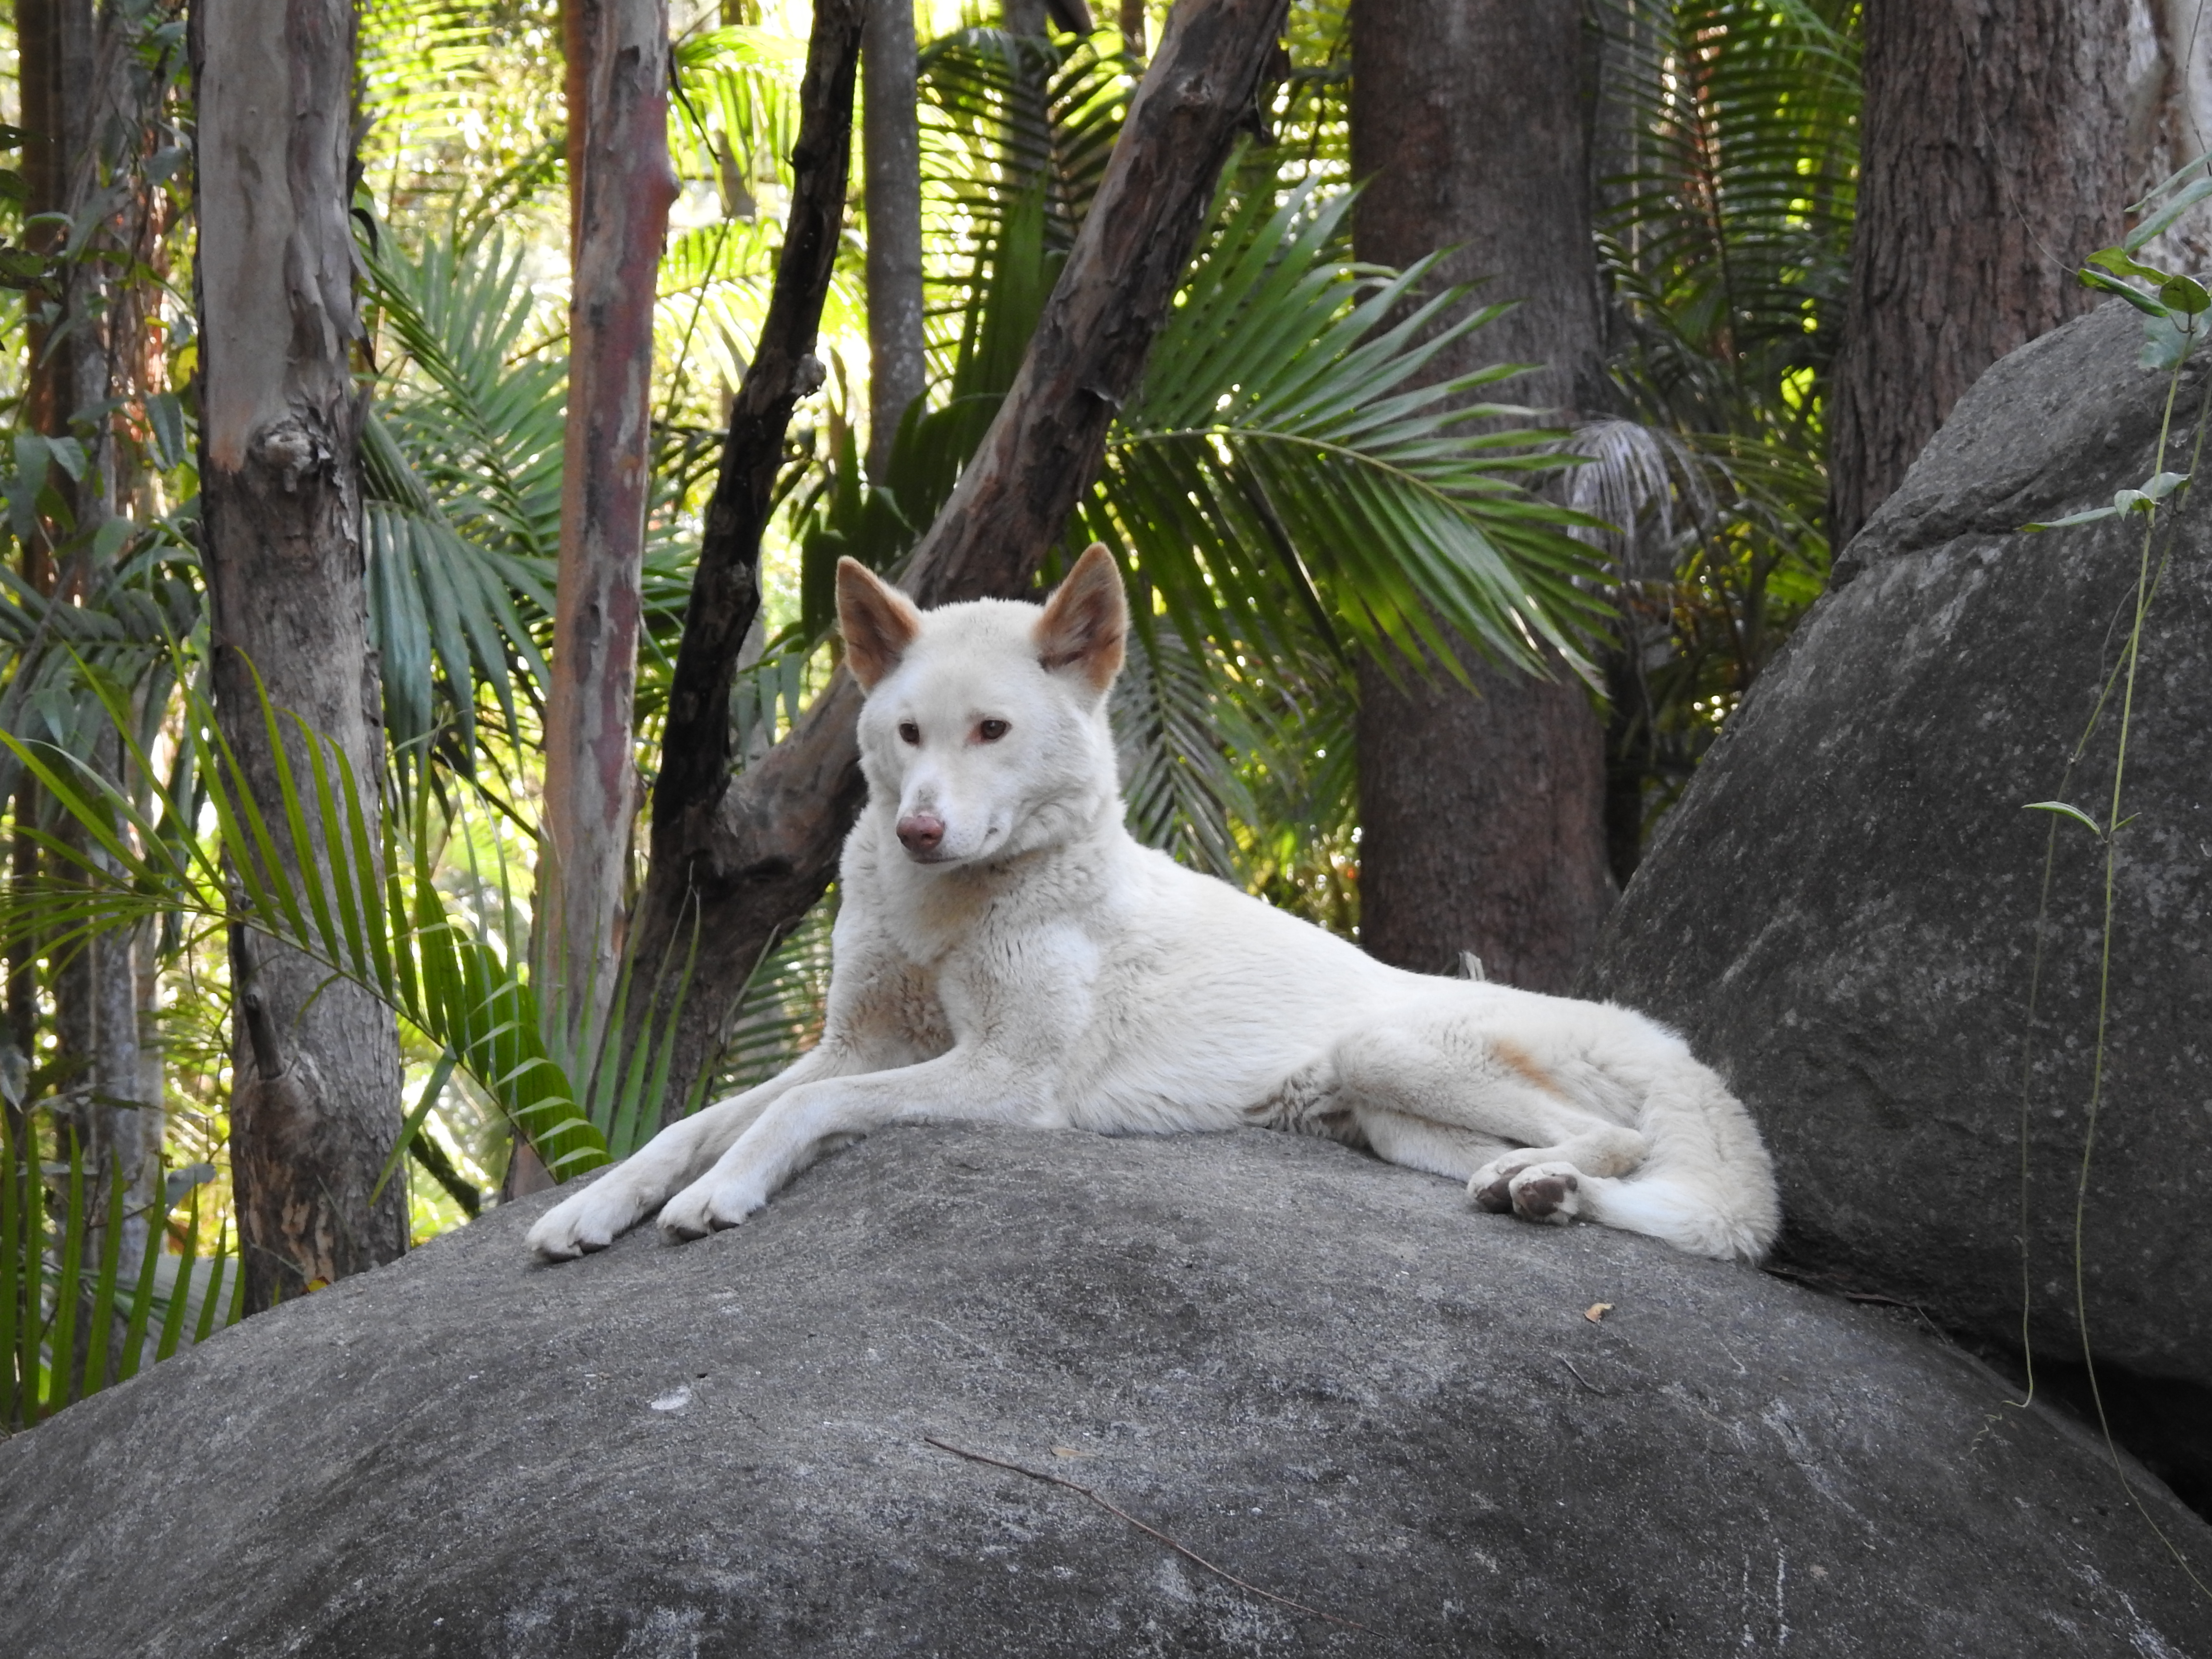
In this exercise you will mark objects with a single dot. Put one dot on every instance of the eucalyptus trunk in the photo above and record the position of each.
(1482, 810)
(58, 42)
(315, 1107)
(1994, 158)
(890, 143)
(77, 82)
(1133, 28)
(620, 186)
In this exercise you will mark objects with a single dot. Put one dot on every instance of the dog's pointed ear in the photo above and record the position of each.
(1086, 620)
(878, 621)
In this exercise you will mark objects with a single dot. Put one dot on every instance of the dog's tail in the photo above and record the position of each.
(1708, 1186)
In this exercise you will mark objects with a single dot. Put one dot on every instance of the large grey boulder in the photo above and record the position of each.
(1325, 1374)
(1841, 913)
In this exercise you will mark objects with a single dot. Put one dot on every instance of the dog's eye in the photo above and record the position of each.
(991, 730)
(909, 732)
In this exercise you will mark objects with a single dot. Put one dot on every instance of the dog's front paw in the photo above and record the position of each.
(709, 1206)
(587, 1221)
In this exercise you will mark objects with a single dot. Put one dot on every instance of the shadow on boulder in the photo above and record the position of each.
(1325, 1374)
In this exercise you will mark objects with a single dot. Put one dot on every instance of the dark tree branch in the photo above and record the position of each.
(734, 866)
(694, 765)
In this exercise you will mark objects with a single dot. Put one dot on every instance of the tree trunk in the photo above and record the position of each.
(77, 85)
(620, 185)
(1482, 813)
(58, 42)
(315, 1109)
(1993, 159)
(2170, 101)
(890, 141)
(734, 864)
(1133, 28)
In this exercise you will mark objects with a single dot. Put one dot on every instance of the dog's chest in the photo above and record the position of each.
(909, 1005)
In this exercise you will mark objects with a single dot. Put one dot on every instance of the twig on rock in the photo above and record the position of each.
(1578, 1377)
(1181, 1549)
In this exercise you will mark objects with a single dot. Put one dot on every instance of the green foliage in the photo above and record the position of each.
(314, 874)
(75, 1315)
(1279, 460)
(469, 126)
(780, 1012)
(1278, 489)
(1281, 497)
(1728, 156)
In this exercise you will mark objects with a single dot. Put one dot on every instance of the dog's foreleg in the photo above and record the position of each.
(594, 1216)
(964, 1085)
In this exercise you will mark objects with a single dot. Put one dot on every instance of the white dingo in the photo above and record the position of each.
(1004, 952)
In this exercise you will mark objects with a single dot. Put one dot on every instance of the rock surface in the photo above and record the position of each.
(1841, 913)
(1325, 1374)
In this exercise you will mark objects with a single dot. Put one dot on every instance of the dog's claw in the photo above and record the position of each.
(1497, 1197)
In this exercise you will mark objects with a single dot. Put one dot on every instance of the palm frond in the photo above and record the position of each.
(460, 464)
(1728, 200)
(780, 1012)
(1179, 737)
(325, 869)
(737, 105)
(476, 401)
(1280, 460)
(446, 614)
(63, 1270)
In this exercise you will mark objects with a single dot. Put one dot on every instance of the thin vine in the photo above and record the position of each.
(2174, 311)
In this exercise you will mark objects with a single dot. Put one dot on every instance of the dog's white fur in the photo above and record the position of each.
(1036, 965)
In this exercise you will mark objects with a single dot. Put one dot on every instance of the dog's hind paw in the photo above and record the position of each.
(1494, 1194)
(1492, 1185)
(1549, 1192)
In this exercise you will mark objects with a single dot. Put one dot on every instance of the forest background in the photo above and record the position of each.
(1313, 515)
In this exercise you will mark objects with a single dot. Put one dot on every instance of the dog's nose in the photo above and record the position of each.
(921, 831)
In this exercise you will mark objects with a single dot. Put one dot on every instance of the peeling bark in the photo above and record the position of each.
(891, 141)
(620, 184)
(734, 864)
(315, 1110)
(78, 97)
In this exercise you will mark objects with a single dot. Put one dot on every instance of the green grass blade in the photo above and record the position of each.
(18, 1268)
(102, 1311)
(141, 1295)
(236, 1311)
(29, 1333)
(62, 1386)
(441, 1074)
(212, 1300)
(172, 1317)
